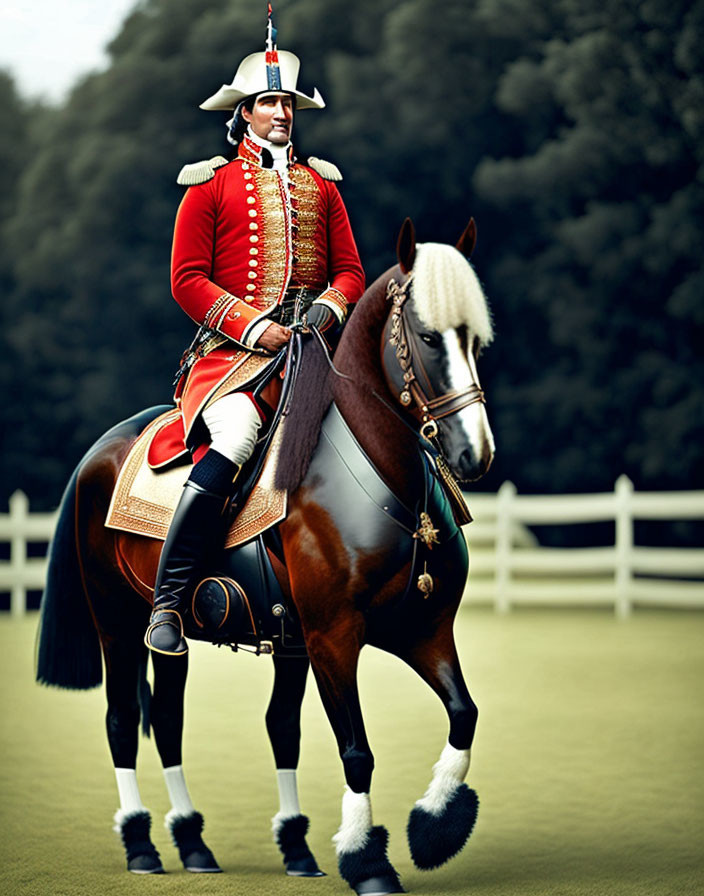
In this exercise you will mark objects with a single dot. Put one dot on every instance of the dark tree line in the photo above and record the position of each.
(573, 131)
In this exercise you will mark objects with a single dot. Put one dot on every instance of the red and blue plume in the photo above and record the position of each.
(273, 73)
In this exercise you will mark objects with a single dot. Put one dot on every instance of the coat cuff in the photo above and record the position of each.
(232, 317)
(255, 331)
(334, 300)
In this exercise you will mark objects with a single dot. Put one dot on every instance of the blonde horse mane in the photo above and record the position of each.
(447, 292)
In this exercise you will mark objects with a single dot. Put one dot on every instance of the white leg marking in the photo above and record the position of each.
(448, 773)
(130, 800)
(181, 804)
(356, 822)
(288, 798)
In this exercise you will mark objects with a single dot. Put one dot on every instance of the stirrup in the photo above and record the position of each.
(160, 620)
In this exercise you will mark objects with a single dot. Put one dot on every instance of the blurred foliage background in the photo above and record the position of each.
(573, 131)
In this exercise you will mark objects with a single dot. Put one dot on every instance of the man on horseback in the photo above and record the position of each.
(261, 242)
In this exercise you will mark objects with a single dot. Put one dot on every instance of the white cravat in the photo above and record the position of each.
(279, 151)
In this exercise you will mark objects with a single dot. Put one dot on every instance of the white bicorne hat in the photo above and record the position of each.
(251, 78)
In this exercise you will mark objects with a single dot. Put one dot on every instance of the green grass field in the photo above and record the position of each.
(588, 764)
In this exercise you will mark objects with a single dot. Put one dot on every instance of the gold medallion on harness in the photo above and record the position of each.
(427, 533)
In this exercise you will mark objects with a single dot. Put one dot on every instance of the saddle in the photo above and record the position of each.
(245, 600)
(144, 498)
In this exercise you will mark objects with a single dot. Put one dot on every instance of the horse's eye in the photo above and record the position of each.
(432, 339)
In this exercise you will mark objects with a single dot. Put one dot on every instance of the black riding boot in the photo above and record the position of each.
(196, 527)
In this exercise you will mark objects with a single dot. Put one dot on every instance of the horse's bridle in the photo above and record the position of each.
(410, 384)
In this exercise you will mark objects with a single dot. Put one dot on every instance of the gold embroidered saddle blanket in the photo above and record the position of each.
(144, 499)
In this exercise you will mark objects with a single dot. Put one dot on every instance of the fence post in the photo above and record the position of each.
(624, 545)
(504, 543)
(19, 511)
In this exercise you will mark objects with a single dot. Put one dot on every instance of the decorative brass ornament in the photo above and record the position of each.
(429, 430)
(427, 533)
(405, 397)
(454, 493)
(425, 582)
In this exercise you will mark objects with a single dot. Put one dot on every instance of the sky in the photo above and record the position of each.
(46, 45)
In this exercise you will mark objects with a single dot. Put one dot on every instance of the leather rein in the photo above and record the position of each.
(428, 408)
(409, 387)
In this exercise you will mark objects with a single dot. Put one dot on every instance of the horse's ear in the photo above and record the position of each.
(468, 240)
(406, 246)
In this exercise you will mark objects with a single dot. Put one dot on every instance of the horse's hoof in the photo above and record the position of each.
(435, 838)
(149, 863)
(290, 835)
(134, 828)
(201, 862)
(379, 886)
(305, 867)
(368, 869)
(186, 833)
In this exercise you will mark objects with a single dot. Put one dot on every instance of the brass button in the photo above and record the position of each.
(252, 213)
(251, 287)
(252, 275)
(251, 200)
(253, 262)
(253, 251)
(253, 238)
(253, 226)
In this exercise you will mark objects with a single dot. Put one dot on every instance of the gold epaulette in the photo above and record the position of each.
(325, 169)
(200, 172)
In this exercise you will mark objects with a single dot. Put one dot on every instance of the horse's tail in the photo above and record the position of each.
(68, 652)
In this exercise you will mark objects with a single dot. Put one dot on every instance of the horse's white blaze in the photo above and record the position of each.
(288, 798)
(473, 418)
(448, 773)
(181, 804)
(356, 822)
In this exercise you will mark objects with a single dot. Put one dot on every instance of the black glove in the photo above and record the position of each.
(320, 317)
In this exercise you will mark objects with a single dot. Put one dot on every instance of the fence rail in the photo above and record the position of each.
(508, 567)
(509, 573)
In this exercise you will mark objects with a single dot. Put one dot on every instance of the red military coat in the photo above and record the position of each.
(241, 240)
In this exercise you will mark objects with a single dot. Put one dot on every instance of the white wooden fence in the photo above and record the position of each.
(23, 573)
(507, 565)
(508, 572)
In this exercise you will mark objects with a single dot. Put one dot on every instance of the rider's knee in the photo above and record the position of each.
(233, 422)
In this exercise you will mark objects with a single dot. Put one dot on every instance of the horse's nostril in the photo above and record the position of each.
(467, 462)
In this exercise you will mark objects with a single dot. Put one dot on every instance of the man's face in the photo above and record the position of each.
(271, 117)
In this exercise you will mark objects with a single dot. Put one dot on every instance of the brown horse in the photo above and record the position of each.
(369, 553)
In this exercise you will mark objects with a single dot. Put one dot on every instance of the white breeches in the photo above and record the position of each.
(233, 422)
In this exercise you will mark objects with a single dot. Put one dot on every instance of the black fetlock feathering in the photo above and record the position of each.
(370, 861)
(186, 831)
(290, 836)
(433, 839)
(142, 857)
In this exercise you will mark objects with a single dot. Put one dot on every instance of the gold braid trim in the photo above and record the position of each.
(309, 261)
(454, 494)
